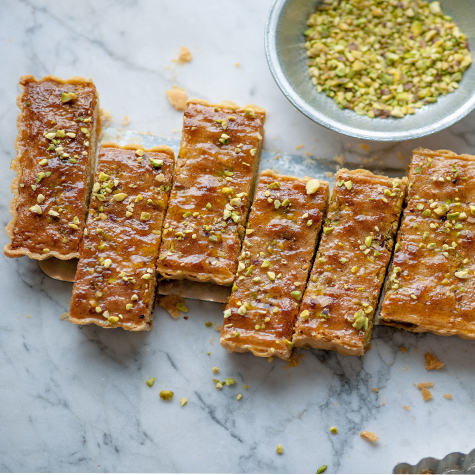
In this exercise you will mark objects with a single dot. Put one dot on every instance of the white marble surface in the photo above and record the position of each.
(75, 399)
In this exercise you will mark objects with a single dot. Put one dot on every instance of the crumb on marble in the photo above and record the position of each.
(300, 146)
(426, 394)
(432, 362)
(371, 436)
(218, 328)
(28, 316)
(125, 120)
(246, 386)
(400, 156)
(339, 159)
(183, 401)
(329, 174)
(375, 390)
(64, 316)
(364, 146)
(105, 117)
(270, 359)
(407, 408)
(185, 56)
(425, 385)
(173, 304)
(237, 65)
(294, 360)
(177, 98)
(448, 396)
(403, 349)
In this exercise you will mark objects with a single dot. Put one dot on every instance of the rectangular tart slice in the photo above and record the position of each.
(116, 276)
(337, 311)
(215, 173)
(431, 285)
(58, 128)
(274, 264)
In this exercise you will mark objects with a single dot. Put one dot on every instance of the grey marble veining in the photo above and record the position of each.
(74, 398)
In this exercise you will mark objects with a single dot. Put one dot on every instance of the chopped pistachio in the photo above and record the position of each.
(183, 401)
(67, 96)
(312, 186)
(280, 449)
(155, 163)
(36, 209)
(120, 196)
(144, 216)
(166, 395)
(296, 294)
(334, 430)
(271, 276)
(322, 469)
(242, 310)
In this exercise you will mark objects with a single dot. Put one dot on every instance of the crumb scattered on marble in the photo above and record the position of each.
(425, 385)
(407, 408)
(270, 359)
(432, 362)
(184, 56)
(173, 304)
(246, 386)
(339, 159)
(375, 390)
(426, 394)
(383, 404)
(403, 349)
(125, 120)
(64, 316)
(211, 340)
(364, 146)
(400, 156)
(174, 131)
(277, 156)
(329, 174)
(308, 154)
(177, 98)
(298, 147)
(218, 328)
(371, 436)
(294, 360)
(448, 396)
(106, 118)
(237, 65)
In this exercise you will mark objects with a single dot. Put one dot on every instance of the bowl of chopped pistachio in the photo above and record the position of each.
(386, 70)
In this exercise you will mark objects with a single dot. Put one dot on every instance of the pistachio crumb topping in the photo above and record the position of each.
(312, 186)
(280, 449)
(183, 401)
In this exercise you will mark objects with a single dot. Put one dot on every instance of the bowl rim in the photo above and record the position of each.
(270, 43)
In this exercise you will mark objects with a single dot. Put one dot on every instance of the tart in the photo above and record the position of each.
(116, 276)
(338, 307)
(274, 264)
(431, 284)
(58, 128)
(209, 203)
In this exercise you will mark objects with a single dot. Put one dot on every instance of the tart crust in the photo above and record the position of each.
(338, 307)
(431, 284)
(116, 276)
(274, 265)
(215, 173)
(66, 191)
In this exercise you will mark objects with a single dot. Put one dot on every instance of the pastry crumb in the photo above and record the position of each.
(298, 147)
(371, 436)
(106, 118)
(64, 316)
(339, 159)
(125, 120)
(329, 174)
(407, 408)
(218, 328)
(403, 349)
(237, 65)
(173, 304)
(294, 360)
(426, 394)
(177, 98)
(185, 56)
(432, 362)
(364, 146)
(448, 396)
(400, 156)
(425, 385)
(375, 390)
